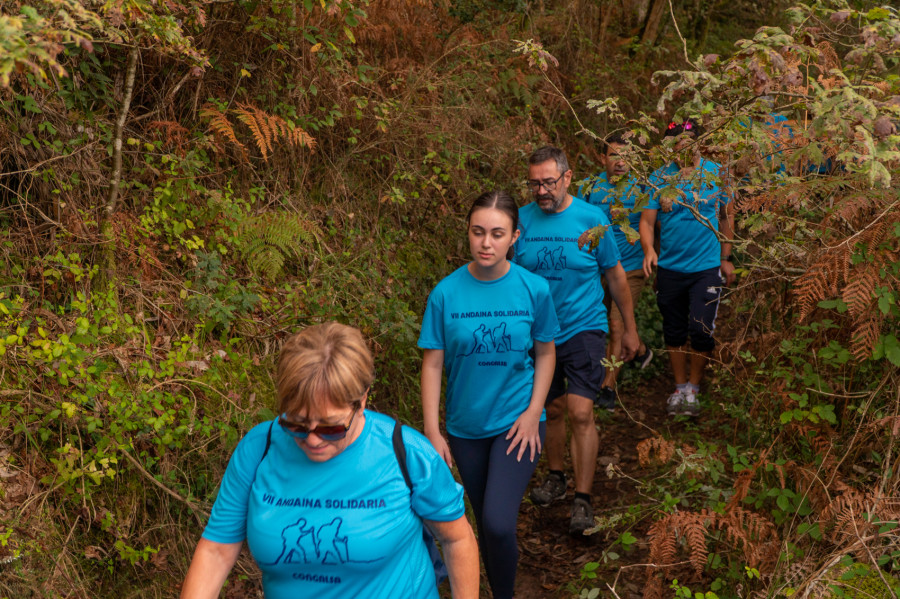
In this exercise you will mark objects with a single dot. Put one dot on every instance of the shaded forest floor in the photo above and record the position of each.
(551, 560)
(550, 557)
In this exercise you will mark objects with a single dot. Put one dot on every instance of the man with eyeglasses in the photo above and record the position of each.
(692, 208)
(549, 246)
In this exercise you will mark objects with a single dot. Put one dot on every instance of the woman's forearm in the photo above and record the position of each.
(460, 554)
(209, 568)
(432, 369)
(544, 367)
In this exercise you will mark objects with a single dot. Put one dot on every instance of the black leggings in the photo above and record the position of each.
(689, 303)
(495, 483)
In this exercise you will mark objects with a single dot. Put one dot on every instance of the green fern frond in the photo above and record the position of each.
(268, 240)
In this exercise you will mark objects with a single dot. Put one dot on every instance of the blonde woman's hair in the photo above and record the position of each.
(323, 364)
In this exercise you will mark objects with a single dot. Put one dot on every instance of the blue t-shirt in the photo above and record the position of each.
(777, 130)
(486, 329)
(346, 527)
(548, 246)
(686, 244)
(608, 197)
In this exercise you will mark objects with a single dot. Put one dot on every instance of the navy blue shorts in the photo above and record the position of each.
(579, 362)
(689, 303)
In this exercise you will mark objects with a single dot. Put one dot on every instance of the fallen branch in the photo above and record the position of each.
(193, 506)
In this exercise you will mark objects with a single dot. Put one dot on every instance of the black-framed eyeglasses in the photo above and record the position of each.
(331, 432)
(548, 184)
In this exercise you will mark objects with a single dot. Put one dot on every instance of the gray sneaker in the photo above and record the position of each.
(550, 490)
(690, 406)
(643, 360)
(673, 404)
(582, 517)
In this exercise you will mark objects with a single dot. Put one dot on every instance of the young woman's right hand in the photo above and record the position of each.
(440, 444)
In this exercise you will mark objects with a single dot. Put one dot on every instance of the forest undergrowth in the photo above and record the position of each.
(184, 184)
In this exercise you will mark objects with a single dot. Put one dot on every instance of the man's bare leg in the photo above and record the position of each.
(555, 443)
(585, 441)
(613, 348)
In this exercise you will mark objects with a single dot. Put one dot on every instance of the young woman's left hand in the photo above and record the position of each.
(525, 433)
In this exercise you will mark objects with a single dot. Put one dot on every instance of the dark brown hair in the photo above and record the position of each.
(503, 202)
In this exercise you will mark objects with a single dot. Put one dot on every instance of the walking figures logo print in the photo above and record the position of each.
(551, 260)
(491, 341)
(303, 543)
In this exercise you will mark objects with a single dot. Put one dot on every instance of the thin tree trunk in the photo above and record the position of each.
(108, 251)
(607, 10)
(654, 18)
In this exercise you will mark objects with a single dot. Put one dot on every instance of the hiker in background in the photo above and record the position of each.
(615, 191)
(491, 323)
(692, 208)
(321, 498)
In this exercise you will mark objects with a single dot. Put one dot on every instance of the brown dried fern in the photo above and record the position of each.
(655, 588)
(859, 292)
(848, 515)
(752, 534)
(694, 531)
(828, 58)
(655, 449)
(265, 129)
(663, 542)
(220, 124)
(741, 488)
(174, 134)
(247, 115)
(822, 279)
(811, 288)
(865, 336)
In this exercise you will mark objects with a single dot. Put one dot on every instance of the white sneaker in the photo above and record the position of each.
(673, 404)
(690, 406)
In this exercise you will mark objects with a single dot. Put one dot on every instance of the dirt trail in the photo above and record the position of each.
(550, 558)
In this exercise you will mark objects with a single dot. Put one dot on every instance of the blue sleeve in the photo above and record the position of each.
(435, 494)
(603, 203)
(654, 182)
(715, 175)
(607, 251)
(228, 520)
(432, 334)
(546, 325)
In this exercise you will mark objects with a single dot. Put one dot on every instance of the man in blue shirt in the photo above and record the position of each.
(692, 210)
(615, 191)
(549, 246)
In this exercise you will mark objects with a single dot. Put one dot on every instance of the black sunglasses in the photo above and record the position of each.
(331, 432)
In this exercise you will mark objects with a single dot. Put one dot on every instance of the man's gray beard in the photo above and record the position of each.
(554, 207)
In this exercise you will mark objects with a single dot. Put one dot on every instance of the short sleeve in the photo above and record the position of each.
(601, 197)
(546, 325)
(435, 494)
(655, 183)
(432, 334)
(607, 251)
(723, 196)
(228, 520)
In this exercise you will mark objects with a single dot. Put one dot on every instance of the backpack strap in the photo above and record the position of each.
(268, 441)
(434, 553)
(400, 452)
(266, 450)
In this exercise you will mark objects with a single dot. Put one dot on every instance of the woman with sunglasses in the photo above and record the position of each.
(491, 324)
(320, 496)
